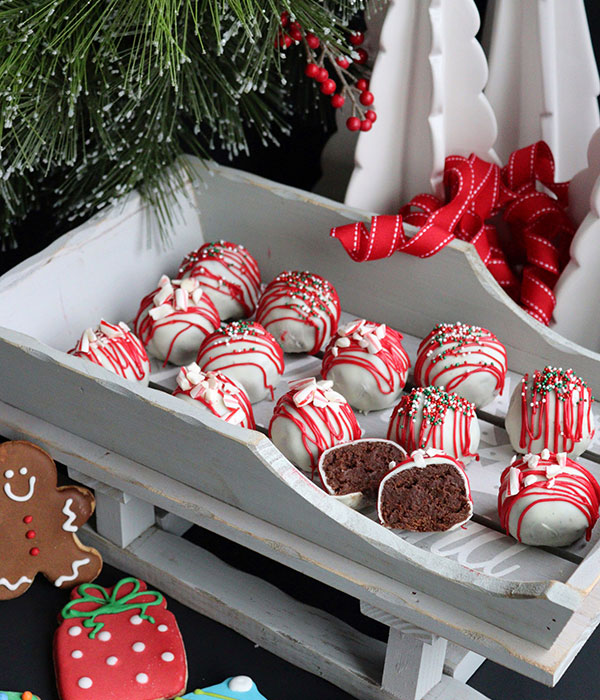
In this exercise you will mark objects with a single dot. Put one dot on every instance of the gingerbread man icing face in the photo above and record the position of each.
(38, 522)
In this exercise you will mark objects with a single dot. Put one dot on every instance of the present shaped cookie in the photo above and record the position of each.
(118, 642)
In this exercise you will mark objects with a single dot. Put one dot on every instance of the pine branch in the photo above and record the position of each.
(100, 96)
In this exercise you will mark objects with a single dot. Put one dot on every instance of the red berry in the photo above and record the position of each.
(366, 98)
(362, 84)
(371, 115)
(311, 70)
(362, 57)
(342, 62)
(337, 101)
(295, 31)
(357, 38)
(288, 41)
(285, 18)
(322, 75)
(328, 87)
(312, 41)
(353, 123)
(366, 125)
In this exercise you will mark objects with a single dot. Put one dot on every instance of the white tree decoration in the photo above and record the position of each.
(428, 81)
(543, 79)
(578, 288)
(580, 187)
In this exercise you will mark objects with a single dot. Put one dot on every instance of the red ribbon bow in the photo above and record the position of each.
(476, 191)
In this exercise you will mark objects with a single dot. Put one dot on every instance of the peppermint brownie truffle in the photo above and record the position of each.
(431, 418)
(551, 409)
(115, 348)
(367, 364)
(216, 392)
(246, 352)
(355, 469)
(428, 492)
(466, 360)
(174, 319)
(310, 418)
(548, 500)
(301, 310)
(228, 274)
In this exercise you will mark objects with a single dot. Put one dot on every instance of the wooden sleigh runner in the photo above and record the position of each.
(158, 464)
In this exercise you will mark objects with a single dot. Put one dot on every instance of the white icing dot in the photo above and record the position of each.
(167, 656)
(162, 628)
(142, 678)
(138, 646)
(76, 653)
(9, 473)
(85, 682)
(23, 470)
(75, 631)
(104, 636)
(136, 620)
(111, 660)
(240, 684)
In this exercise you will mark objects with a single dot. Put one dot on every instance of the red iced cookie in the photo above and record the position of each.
(118, 642)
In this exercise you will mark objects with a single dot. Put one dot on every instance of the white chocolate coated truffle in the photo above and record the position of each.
(309, 419)
(551, 409)
(367, 364)
(217, 393)
(431, 418)
(174, 319)
(301, 310)
(465, 360)
(228, 274)
(548, 500)
(248, 353)
(115, 348)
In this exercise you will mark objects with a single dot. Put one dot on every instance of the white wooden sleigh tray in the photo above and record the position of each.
(140, 448)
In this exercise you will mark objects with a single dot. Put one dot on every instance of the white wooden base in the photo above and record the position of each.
(176, 574)
(309, 638)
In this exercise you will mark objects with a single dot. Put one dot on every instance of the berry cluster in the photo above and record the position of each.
(347, 86)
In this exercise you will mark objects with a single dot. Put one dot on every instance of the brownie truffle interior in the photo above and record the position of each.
(360, 466)
(428, 499)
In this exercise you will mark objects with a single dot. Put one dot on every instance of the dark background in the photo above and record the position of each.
(215, 652)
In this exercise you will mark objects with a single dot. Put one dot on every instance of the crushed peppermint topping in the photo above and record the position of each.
(318, 393)
(367, 335)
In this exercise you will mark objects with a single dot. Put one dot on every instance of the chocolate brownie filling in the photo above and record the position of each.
(360, 466)
(429, 499)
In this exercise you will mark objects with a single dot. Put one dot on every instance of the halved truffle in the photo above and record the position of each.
(356, 468)
(428, 492)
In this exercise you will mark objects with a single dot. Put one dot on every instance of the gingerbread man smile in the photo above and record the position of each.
(9, 473)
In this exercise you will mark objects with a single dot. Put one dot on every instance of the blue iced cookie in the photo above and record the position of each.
(235, 688)
(27, 695)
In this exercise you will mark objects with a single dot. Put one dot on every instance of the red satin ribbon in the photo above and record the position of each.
(540, 231)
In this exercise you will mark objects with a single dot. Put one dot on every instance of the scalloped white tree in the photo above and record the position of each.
(580, 187)
(337, 158)
(427, 81)
(578, 288)
(543, 79)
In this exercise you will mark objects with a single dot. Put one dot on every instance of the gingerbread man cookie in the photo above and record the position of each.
(38, 522)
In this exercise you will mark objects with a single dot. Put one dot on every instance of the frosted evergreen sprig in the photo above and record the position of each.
(98, 96)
